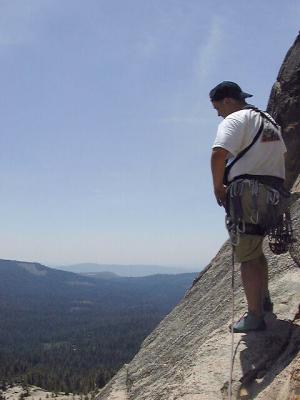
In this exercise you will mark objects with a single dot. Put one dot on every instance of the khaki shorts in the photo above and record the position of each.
(249, 247)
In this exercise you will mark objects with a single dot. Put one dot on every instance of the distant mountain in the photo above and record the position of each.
(69, 332)
(125, 270)
(101, 275)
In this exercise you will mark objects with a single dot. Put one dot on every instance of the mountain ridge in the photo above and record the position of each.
(126, 269)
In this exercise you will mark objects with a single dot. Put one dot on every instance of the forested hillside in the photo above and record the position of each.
(66, 332)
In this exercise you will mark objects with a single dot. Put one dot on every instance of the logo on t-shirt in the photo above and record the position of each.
(270, 133)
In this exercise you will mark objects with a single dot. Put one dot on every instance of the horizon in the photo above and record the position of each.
(178, 268)
(107, 127)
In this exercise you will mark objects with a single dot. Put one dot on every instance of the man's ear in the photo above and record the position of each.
(227, 101)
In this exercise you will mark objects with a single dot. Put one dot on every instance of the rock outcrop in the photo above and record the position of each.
(284, 105)
(188, 355)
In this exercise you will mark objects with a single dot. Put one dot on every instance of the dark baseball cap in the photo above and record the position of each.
(227, 89)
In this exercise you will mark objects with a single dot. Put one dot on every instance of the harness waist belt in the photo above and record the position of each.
(253, 229)
(269, 180)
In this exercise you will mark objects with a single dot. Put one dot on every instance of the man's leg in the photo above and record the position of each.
(267, 303)
(265, 287)
(255, 281)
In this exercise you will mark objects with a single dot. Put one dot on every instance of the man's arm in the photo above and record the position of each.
(218, 158)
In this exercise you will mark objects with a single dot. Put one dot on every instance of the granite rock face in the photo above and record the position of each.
(188, 355)
(284, 106)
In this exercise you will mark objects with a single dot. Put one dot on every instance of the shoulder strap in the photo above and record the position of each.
(244, 151)
(262, 113)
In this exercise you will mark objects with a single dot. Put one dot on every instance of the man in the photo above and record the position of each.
(251, 192)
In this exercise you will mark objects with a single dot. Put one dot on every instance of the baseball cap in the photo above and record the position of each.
(227, 89)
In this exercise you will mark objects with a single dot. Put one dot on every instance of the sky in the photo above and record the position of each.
(107, 128)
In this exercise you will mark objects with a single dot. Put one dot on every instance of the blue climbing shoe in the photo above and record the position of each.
(249, 322)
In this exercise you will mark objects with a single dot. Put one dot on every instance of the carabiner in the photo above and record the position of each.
(241, 226)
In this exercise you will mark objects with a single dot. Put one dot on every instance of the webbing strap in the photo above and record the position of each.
(254, 229)
(264, 115)
(240, 155)
(244, 151)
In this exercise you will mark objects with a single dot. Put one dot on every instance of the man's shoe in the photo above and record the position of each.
(267, 304)
(249, 322)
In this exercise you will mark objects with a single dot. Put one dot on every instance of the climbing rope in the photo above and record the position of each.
(231, 328)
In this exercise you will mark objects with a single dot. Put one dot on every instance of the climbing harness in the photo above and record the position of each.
(231, 327)
(271, 219)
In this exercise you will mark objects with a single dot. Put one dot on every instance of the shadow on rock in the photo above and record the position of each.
(266, 355)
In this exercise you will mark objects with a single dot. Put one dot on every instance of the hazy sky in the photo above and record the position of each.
(106, 126)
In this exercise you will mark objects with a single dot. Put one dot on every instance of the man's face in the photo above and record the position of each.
(224, 107)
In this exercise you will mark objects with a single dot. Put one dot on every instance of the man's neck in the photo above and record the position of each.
(237, 106)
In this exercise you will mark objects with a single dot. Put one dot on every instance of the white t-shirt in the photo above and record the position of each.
(265, 157)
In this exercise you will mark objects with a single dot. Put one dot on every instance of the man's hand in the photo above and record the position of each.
(220, 194)
(218, 158)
